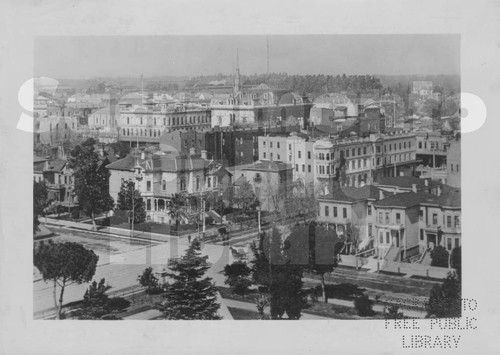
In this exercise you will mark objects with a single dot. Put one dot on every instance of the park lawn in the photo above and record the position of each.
(243, 314)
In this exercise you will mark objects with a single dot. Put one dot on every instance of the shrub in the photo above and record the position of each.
(237, 277)
(439, 256)
(364, 306)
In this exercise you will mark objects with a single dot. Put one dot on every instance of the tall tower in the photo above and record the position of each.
(237, 83)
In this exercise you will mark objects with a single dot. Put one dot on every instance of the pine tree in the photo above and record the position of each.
(136, 207)
(91, 180)
(191, 296)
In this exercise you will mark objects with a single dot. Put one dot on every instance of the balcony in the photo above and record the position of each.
(390, 226)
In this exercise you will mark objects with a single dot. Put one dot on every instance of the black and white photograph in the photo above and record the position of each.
(229, 179)
(253, 163)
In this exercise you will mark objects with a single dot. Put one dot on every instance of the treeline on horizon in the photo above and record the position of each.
(314, 84)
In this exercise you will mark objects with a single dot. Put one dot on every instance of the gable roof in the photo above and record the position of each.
(406, 200)
(55, 165)
(269, 166)
(405, 182)
(353, 194)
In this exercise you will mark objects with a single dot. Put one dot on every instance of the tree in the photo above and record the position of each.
(456, 261)
(238, 277)
(364, 306)
(262, 302)
(315, 248)
(445, 299)
(245, 197)
(130, 200)
(283, 277)
(39, 203)
(91, 180)
(439, 256)
(393, 312)
(64, 264)
(120, 149)
(149, 281)
(176, 208)
(97, 304)
(191, 296)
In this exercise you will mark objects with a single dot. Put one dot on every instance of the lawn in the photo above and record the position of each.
(243, 314)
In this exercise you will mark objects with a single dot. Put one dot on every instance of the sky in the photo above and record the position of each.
(130, 56)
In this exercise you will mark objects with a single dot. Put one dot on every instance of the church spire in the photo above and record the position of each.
(237, 83)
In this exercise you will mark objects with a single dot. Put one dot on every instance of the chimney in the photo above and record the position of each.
(203, 154)
(426, 182)
(414, 188)
(381, 194)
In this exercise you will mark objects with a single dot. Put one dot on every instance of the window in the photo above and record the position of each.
(197, 183)
(347, 153)
(399, 146)
(308, 155)
(264, 143)
(148, 205)
(164, 185)
(209, 182)
(448, 243)
(457, 221)
(398, 218)
(309, 168)
(148, 186)
(334, 211)
(421, 215)
(370, 230)
(448, 221)
(183, 185)
(434, 219)
(381, 238)
(296, 167)
(271, 156)
(303, 168)
(290, 147)
(364, 150)
(353, 152)
(264, 155)
(271, 144)
(300, 154)
(380, 217)
(289, 157)
(456, 243)
(344, 212)
(277, 155)
(327, 211)
(421, 234)
(369, 210)
(359, 151)
(278, 144)
(387, 218)
(387, 237)
(457, 168)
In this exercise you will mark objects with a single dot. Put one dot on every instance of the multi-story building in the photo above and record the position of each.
(160, 176)
(271, 181)
(397, 225)
(453, 164)
(357, 161)
(295, 149)
(146, 125)
(431, 148)
(350, 205)
(58, 178)
(54, 129)
(440, 221)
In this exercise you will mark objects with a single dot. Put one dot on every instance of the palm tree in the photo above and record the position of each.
(176, 208)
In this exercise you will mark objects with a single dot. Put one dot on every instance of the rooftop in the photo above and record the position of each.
(353, 194)
(406, 200)
(266, 165)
